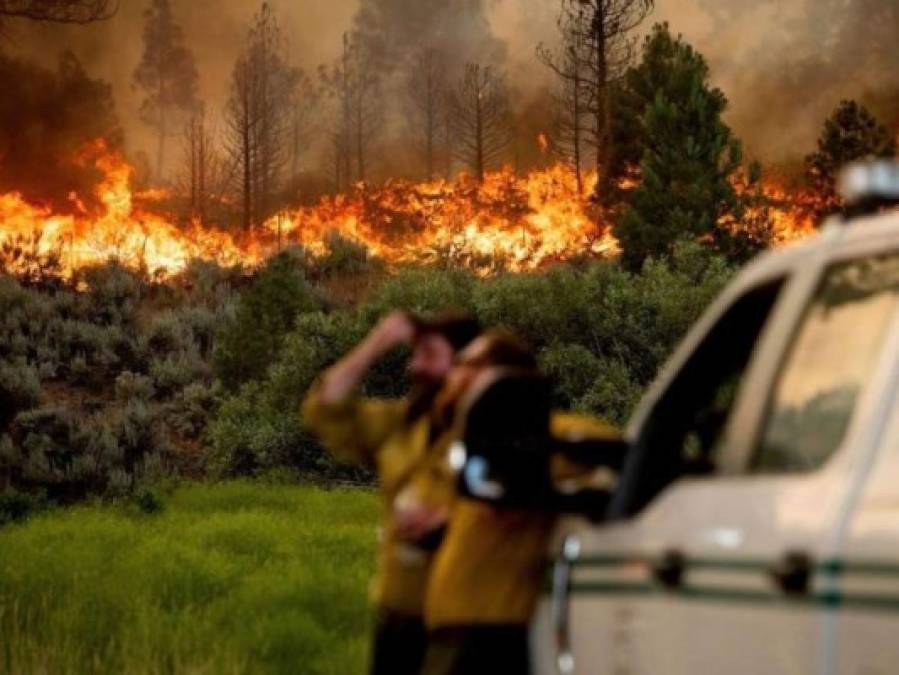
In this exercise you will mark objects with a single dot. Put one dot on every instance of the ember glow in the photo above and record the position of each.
(509, 222)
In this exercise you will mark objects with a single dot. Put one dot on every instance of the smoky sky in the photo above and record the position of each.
(784, 64)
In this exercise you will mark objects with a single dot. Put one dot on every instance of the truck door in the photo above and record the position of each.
(862, 580)
(741, 470)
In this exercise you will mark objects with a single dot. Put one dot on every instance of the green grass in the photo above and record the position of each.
(232, 578)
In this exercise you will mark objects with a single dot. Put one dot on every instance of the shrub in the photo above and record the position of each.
(421, 291)
(176, 371)
(20, 389)
(541, 308)
(114, 292)
(17, 506)
(149, 502)
(191, 409)
(343, 257)
(266, 312)
(130, 386)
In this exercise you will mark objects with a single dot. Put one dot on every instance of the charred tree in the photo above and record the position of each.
(259, 117)
(570, 114)
(167, 75)
(426, 98)
(603, 31)
(354, 85)
(481, 119)
(203, 173)
(59, 11)
(302, 123)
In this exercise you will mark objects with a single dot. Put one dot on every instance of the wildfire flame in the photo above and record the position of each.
(543, 142)
(507, 222)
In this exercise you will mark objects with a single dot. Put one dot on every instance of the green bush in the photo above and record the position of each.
(18, 506)
(20, 389)
(266, 312)
(343, 257)
(191, 410)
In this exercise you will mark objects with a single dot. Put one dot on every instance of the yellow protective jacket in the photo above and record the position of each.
(490, 567)
(376, 433)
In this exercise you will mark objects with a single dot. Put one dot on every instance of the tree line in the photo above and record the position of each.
(643, 116)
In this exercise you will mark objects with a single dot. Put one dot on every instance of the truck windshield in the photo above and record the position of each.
(835, 352)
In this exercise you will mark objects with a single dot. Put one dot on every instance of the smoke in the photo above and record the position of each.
(215, 31)
(396, 30)
(47, 116)
(784, 64)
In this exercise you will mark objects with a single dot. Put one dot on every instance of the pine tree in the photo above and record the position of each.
(668, 64)
(688, 160)
(259, 117)
(604, 30)
(481, 119)
(850, 134)
(167, 75)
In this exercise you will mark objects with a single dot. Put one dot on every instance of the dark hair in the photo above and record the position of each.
(457, 328)
(505, 350)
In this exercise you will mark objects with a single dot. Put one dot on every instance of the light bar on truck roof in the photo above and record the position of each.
(873, 181)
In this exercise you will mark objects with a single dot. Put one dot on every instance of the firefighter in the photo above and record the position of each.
(486, 577)
(398, 439)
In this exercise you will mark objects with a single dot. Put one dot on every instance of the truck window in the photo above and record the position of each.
(682, 434)
(833, 355)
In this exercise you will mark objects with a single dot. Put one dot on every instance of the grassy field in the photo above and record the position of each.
(232, 578)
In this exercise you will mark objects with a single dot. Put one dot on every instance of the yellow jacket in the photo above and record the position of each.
(490, 566)
(376, 433)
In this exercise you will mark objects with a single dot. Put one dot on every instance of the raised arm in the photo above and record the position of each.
(354, 429)
(344, 376)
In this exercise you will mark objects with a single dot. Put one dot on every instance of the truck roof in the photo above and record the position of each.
(836, 239)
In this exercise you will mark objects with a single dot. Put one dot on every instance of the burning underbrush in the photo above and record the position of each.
(508, 222)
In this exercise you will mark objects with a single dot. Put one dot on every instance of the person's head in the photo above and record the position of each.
(435, 346)
(491, 350)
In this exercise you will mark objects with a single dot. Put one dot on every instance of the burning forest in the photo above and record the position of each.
(505, 222)
(207, 205)
(454, 173)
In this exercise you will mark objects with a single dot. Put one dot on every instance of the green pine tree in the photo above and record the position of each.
(688, 155)
(851, 133)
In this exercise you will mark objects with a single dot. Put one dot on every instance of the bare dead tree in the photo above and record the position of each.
(446, 133)
(605, 29)
(368, 107)
(303, 122)
(204, 174)
(259, 117)
(60, 11)
(337, 82)
(167, 75)
(426, 99)
(354, 84)
(570, 105)
(241, 123)
(481, 119)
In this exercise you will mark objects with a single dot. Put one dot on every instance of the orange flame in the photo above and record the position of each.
(543, 142)
(507, 222)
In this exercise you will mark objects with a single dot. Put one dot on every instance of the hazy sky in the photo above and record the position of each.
(748, 45)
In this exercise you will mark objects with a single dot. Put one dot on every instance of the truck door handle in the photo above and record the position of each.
(561, 600)
(793, 573)
(670, 568)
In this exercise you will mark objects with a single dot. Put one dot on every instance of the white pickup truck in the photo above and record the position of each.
(755, 525)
